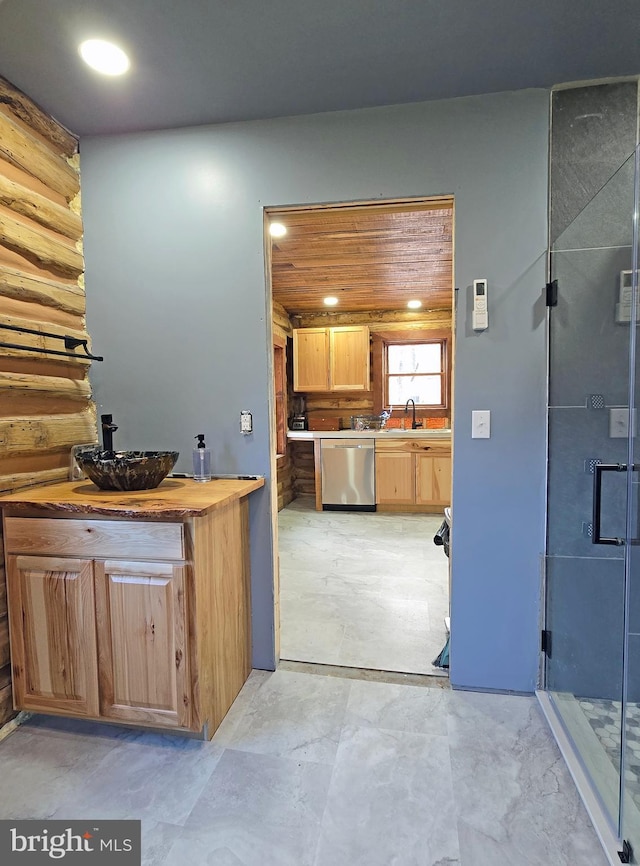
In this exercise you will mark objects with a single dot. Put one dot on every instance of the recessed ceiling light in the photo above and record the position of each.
(414, 305)
(104, 57)
(330, 301)
(277, 230)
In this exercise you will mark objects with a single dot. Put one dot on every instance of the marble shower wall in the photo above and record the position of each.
(593, 136)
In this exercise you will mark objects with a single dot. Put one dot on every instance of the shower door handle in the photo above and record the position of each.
(598, 469)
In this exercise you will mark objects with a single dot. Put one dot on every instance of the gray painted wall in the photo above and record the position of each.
(176, 303)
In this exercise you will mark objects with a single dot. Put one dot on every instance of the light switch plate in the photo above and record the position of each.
(619, 423)
(480, 424)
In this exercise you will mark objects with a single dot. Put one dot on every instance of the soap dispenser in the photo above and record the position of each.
(201, 460)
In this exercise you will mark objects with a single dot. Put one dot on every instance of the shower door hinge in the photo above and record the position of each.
(545, 642)
(552, 294)
(627, 852)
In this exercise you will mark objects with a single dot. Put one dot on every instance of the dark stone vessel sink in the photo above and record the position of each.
(126, 470)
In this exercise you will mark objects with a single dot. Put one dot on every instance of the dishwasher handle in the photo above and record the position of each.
(341, 443)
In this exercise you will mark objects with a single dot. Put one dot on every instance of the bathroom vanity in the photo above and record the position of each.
(130, 607)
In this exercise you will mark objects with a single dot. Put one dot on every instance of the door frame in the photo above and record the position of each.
(267, 211)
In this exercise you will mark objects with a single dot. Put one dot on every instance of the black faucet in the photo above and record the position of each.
(414, 424)
(108, 428)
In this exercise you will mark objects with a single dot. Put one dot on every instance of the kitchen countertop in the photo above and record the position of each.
(309, 435)
(174, 498)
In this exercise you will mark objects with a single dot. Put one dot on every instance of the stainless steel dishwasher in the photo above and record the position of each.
(348, 474)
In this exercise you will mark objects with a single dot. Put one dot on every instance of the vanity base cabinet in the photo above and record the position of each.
(118, 637)
(53, 637)
(143, 662)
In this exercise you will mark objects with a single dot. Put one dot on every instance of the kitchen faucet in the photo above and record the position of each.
(414, 424)
(108, 428)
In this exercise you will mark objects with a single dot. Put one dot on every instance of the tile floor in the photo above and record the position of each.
(310, 770)
(362, 590)
(605, 717)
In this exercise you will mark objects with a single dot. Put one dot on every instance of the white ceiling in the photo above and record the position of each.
(211, 61)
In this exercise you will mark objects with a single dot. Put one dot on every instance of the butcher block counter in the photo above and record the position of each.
(130, 607)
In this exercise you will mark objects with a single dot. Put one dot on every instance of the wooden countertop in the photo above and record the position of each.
(395, 433)
(174, 498)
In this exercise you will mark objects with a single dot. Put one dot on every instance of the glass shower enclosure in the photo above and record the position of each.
(591, 637)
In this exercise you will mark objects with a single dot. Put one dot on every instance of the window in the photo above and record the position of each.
(406, 367)
(416, 371)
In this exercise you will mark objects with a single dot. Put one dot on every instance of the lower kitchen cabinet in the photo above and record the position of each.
(413, 474)
(395, 477)
(433, 479)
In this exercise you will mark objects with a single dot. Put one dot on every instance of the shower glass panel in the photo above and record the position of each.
(630, 805)
(589, 379)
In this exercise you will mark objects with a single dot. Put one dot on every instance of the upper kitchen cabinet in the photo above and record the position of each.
(349, 358)
(311, 359)
(331, 359)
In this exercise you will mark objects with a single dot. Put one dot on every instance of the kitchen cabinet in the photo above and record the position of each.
(433, 479)
(413, 474)
(331, 359)
(395, 477)
(135, 620)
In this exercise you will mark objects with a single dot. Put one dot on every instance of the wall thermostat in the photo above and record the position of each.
(480, 306)
(623, 307)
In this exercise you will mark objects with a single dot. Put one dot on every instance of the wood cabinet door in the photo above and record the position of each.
(142, 631)
(350, 358)
(433, 479)
(311, 359)
(395, 481)
(53, 637)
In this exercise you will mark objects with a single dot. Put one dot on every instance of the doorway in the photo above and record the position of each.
(365, 590)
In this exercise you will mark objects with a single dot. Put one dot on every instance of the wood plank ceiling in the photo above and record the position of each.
(371, 257)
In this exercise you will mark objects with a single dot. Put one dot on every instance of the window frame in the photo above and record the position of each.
(381, 340)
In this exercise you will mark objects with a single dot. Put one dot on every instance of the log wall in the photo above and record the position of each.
(303, 468)
(295, 470)
(283, 330)
(45, 400)
(343, 406)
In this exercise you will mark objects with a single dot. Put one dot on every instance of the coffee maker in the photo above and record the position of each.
(299, 418)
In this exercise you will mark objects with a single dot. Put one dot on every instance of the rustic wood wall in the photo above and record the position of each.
(343, 406)
(303, 468)
(295, 469)
(283, 331)
(45, 400)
